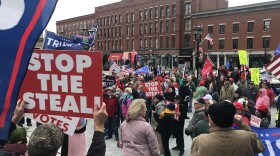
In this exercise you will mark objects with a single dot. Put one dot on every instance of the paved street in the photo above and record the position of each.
(113, 150)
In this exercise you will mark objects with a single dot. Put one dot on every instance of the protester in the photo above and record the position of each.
(232, 83)
(242, 142)
(199, 106)
(170, 95)
(208, 100)
(210, 79)
(237, 95)
(214, 92)
(179, 123)
(112, 109)
(270, 93)
(137, 135)
(242, 84)
(202, 126)
(262, 112)
(251, 92)
(186, 91)
(235, 75)
(194, 79)
(227, 91)
(165, 124)
(126, 101)
(201, 90)
(239, 111)
(263, 98)
(220, 83)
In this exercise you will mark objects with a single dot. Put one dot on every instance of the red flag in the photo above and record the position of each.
(274, 66)
(207, 67)
(133, 55)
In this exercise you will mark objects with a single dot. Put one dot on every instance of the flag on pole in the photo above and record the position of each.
(126, 70)
(21, 24)
(274, 66)
(209, 38)
(207, 67)
(277, 51)
(113, 65)
(133, 54)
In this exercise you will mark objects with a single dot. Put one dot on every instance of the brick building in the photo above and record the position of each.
(254, 28)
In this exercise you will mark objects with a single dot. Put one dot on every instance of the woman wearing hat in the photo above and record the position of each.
(126, 101)
(165, 124)
(137, 135)
(262, 112)
(239, 111)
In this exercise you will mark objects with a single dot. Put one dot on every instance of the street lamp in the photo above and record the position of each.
(154, 61)
(197, 31)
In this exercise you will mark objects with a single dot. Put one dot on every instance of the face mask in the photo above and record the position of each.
(118, 93)
(110, 94)
(125, 93)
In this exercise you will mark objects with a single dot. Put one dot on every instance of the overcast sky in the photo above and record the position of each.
(72, 8)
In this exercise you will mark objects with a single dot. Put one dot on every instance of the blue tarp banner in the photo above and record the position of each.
(142, 70)
(271, 140)
(52, 41)
(85, 41)
(21, 23)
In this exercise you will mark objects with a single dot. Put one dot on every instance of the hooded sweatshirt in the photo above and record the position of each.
(263, 98)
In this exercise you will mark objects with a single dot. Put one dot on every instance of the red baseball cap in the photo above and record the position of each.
(262, 107)
(238, 105)
(201, 83)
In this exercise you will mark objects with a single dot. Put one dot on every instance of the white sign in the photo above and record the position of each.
(255, 121)
(66, 124)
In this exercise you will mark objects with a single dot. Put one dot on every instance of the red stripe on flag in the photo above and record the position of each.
(274, 67)
(20, 51)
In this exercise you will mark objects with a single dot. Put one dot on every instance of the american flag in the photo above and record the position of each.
(274, 66)
(113, 65)
(209, 38)
(126, 70)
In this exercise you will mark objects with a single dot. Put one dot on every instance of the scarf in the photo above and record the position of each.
(167, 111)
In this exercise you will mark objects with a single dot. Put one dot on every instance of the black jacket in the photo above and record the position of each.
(169, 96)
(182, 117)
(98, 146)
(165, 124)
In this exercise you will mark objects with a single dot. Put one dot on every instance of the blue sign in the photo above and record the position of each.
(52, 41)
(271, 140)
(19, 32)
(85, 41)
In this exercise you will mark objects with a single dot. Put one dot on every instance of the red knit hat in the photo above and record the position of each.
(238, 105)
(201, 83)
(262, 107)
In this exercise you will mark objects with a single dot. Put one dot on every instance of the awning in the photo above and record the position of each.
(115, 56)
(126, 55)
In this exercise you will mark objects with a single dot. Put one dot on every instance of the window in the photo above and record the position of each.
(116, 19)
(141, 44)
(109, 45)
(156, 12)
(209, 46)
(109, 20)
(109, 32)
(151, 42)
(105, 21)
(145, 28)
(127, 44)
(222, 29)
(120, 31)
(132, 17)
(151, 13)
(151, 27)
(156, 27)
(116, 44)
(145, 43)
(156, 43)
(167, 41)
(120, 18)
(161, 11)
(112, 19)
(187, 40)
(141, 15)
(167, 25)
(173, 41)
(167, 11)
(266, 42)
(250, 42)
(173, 25)
(266, 25)
(173, 10)
(112, 32)
(127, 17)
(161, 42)
(234, 43)
(235, 28)
(132, 44)
(161, 26)
(113, 45)
(120, 44)
(141, 28)
(132, 30)
(250, 27)
(146, 15)
(187, 25)
(188, 8)
(116, 31)
(210, 29)
(221, 44)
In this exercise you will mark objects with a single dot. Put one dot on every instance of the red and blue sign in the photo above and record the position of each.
(21, 23)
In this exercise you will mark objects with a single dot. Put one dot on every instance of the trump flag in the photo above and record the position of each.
(21, 23)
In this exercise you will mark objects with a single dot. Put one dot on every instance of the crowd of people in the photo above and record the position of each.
(142, 125)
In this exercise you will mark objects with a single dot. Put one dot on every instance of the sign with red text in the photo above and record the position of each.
(64, 83)
(152, 88)
(66, 124)
(255, 121)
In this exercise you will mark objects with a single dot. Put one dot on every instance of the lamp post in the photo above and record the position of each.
(154, 61)
(197, 31)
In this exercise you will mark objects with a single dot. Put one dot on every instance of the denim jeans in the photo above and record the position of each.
(190, 104)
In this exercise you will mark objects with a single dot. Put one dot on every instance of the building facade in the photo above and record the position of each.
(254, 28)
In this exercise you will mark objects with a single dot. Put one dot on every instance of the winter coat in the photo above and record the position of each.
(138, 138)
(13, 150)
(111, 105)
(127, 100)
(215, 95)
(201, 127)
(200, 92)
(242, 86)
(169, 96)
(243, 142)
(226, 93)
(251, 94)
(159, 107)
(165, 123)
(197, 116)
(263, 98)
